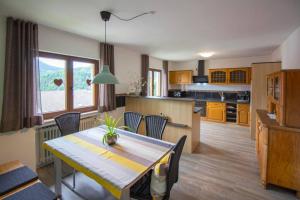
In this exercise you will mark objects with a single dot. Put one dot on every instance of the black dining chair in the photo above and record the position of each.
(68, 123)
(132, 120)
(155, 126)
(141, 189)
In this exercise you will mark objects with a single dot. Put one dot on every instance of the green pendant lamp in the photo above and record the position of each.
(105, 76)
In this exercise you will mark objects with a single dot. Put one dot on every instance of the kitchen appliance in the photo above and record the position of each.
(243, 97)
(200, 78)
(231, 112)
(176, 93)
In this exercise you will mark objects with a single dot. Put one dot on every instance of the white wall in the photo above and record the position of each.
(236, 62)
(127, 67)
(290, 51)
(276, 55)
(184, 65)
(155, 63)
(56, 41)
(19, 145)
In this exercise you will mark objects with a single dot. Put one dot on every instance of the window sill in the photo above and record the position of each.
(48, 122)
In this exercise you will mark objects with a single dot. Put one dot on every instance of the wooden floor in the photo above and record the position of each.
(224, 166)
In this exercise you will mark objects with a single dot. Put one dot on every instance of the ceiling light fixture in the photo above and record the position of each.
(206, 54)
(105, 76)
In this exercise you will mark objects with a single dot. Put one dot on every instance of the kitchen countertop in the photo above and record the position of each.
(162, 98)
(188, 99)
(272, 123)
(225, 101)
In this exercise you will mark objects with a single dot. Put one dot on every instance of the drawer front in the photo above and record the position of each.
(244, 107)
(216, 104)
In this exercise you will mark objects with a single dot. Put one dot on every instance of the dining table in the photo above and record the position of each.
(116, 167)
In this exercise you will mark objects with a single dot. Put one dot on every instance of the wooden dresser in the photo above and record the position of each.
(278, 152)
(278, 139)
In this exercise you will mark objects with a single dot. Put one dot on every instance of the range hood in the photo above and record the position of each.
(200, 78)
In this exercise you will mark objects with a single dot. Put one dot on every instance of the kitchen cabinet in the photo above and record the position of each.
(180, 77)
(239, 76)
(243, 114)
(230, 76)
(277, 149)
(283, 97)
(217, 76)
(216, 111)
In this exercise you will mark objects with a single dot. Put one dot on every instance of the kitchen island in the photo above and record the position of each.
(182, 118)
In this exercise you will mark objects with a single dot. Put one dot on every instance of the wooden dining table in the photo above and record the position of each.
(116, 167)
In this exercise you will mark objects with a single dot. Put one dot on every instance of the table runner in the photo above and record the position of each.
(114, 167)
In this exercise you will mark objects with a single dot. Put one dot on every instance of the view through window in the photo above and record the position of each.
(154, 82)
(52, 84)
(83, 88)
(66, 84)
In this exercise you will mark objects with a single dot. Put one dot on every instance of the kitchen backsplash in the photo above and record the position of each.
(210, 87)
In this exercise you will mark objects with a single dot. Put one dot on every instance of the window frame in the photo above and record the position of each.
(69, 98)
(152, 70)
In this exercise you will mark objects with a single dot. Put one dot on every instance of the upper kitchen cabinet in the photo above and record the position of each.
(180, 77)
(217, 76)
(239, 76)
(230, 76)
(284, 97)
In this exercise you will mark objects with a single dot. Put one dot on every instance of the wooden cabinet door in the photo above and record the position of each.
(186, 77)
(239, 76)
(180, 77)
(263, 153)
(218, 76)
(243, 114)
(172, 77)
(216, 111)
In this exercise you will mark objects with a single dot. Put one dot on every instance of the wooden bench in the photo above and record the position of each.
(24, 186)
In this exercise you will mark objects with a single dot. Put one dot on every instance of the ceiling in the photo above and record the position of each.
(179, 28)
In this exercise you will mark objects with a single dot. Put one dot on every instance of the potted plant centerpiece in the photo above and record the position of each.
(111, 135)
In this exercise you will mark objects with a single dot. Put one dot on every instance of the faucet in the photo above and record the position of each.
(222, 96)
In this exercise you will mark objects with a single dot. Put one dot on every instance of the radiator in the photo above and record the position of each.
(51, 131)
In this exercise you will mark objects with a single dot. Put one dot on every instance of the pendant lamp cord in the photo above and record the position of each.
(129, 19)
(105, 34)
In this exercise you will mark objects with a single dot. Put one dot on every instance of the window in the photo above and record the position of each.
(65, 84)
(154, 82)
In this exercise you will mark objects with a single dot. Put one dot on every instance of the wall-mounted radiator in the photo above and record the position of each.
(51, 131)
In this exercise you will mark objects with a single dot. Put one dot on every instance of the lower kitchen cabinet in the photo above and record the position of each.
(278, 153)
(216, 111)
(243, 114)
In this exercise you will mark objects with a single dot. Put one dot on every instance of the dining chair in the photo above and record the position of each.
(141, 189)
(68, 123)
(155, 126)
(132, 120)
